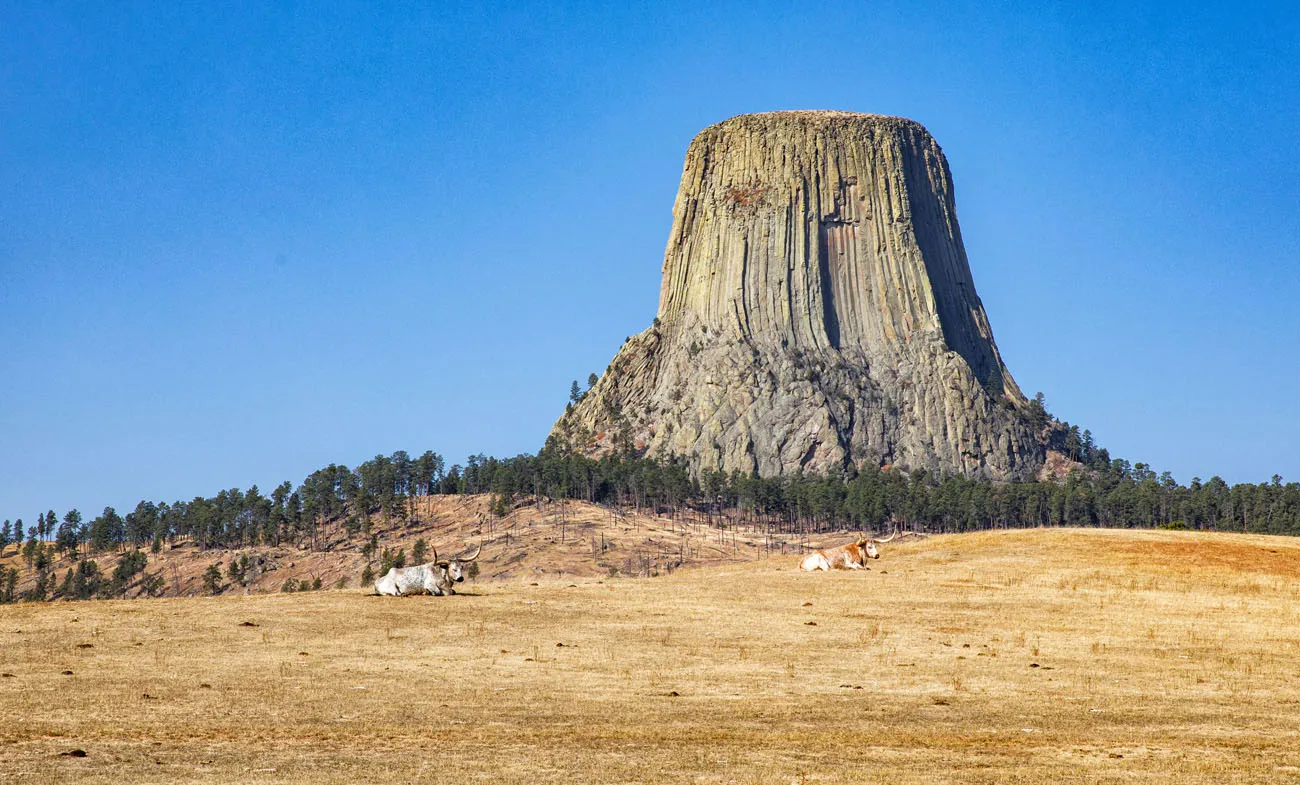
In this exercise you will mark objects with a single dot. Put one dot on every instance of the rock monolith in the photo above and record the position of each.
(817, 312)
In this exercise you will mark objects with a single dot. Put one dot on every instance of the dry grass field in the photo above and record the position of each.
(1024, 656)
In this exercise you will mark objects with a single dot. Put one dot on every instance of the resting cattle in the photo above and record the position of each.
(846, 557)
(435, 577)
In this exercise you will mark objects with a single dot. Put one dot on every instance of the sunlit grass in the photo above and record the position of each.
(998, 657)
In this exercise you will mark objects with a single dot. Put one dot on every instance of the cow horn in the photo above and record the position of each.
(435, 556)
(890, 537)
(476, 553)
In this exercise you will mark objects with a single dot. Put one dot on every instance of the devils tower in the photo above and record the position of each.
(817, 312)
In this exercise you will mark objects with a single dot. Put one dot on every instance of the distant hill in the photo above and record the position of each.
(550, 539)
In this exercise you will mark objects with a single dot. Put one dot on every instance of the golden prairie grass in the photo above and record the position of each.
(1032, 656)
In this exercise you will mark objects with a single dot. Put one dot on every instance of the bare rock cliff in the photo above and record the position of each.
(817, 311)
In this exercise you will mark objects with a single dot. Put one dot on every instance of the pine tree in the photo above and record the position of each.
(8, 584)
(1037, 412)
(212, 578)
(69, 535)
(41, 590)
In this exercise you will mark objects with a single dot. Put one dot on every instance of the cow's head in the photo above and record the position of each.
(869, 548)
(456, 567)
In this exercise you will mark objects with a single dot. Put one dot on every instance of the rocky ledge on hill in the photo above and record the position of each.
(817, 312)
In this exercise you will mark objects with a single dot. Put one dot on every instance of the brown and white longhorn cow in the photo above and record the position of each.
(852, 556)
(435, 577)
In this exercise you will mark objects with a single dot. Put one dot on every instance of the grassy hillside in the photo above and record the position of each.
(568, 538)
(1023, 656)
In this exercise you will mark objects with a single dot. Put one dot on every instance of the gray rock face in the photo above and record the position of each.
(817, 311)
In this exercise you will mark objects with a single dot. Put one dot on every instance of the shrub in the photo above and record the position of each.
(238, 566)
(151, 584)
(388, 560)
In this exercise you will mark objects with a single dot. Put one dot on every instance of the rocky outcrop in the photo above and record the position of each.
(817, 311)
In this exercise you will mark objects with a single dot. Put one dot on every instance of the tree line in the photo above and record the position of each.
(1102, 492)
(341, 503)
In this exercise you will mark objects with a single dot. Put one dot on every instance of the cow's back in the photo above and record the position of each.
(815, 561)
(401, 581)
(843, 557)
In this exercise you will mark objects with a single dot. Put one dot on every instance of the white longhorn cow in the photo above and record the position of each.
(435, 577)
(852, 556)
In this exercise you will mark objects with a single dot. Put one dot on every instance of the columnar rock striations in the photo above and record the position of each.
(817, 311)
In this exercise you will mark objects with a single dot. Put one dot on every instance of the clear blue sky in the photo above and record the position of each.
(242, 241)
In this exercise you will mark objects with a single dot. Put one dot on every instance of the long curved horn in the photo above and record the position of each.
(435, 556)
(887, 539)
(476, 553)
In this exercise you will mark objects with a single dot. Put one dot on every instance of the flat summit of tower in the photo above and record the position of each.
(815, 115)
